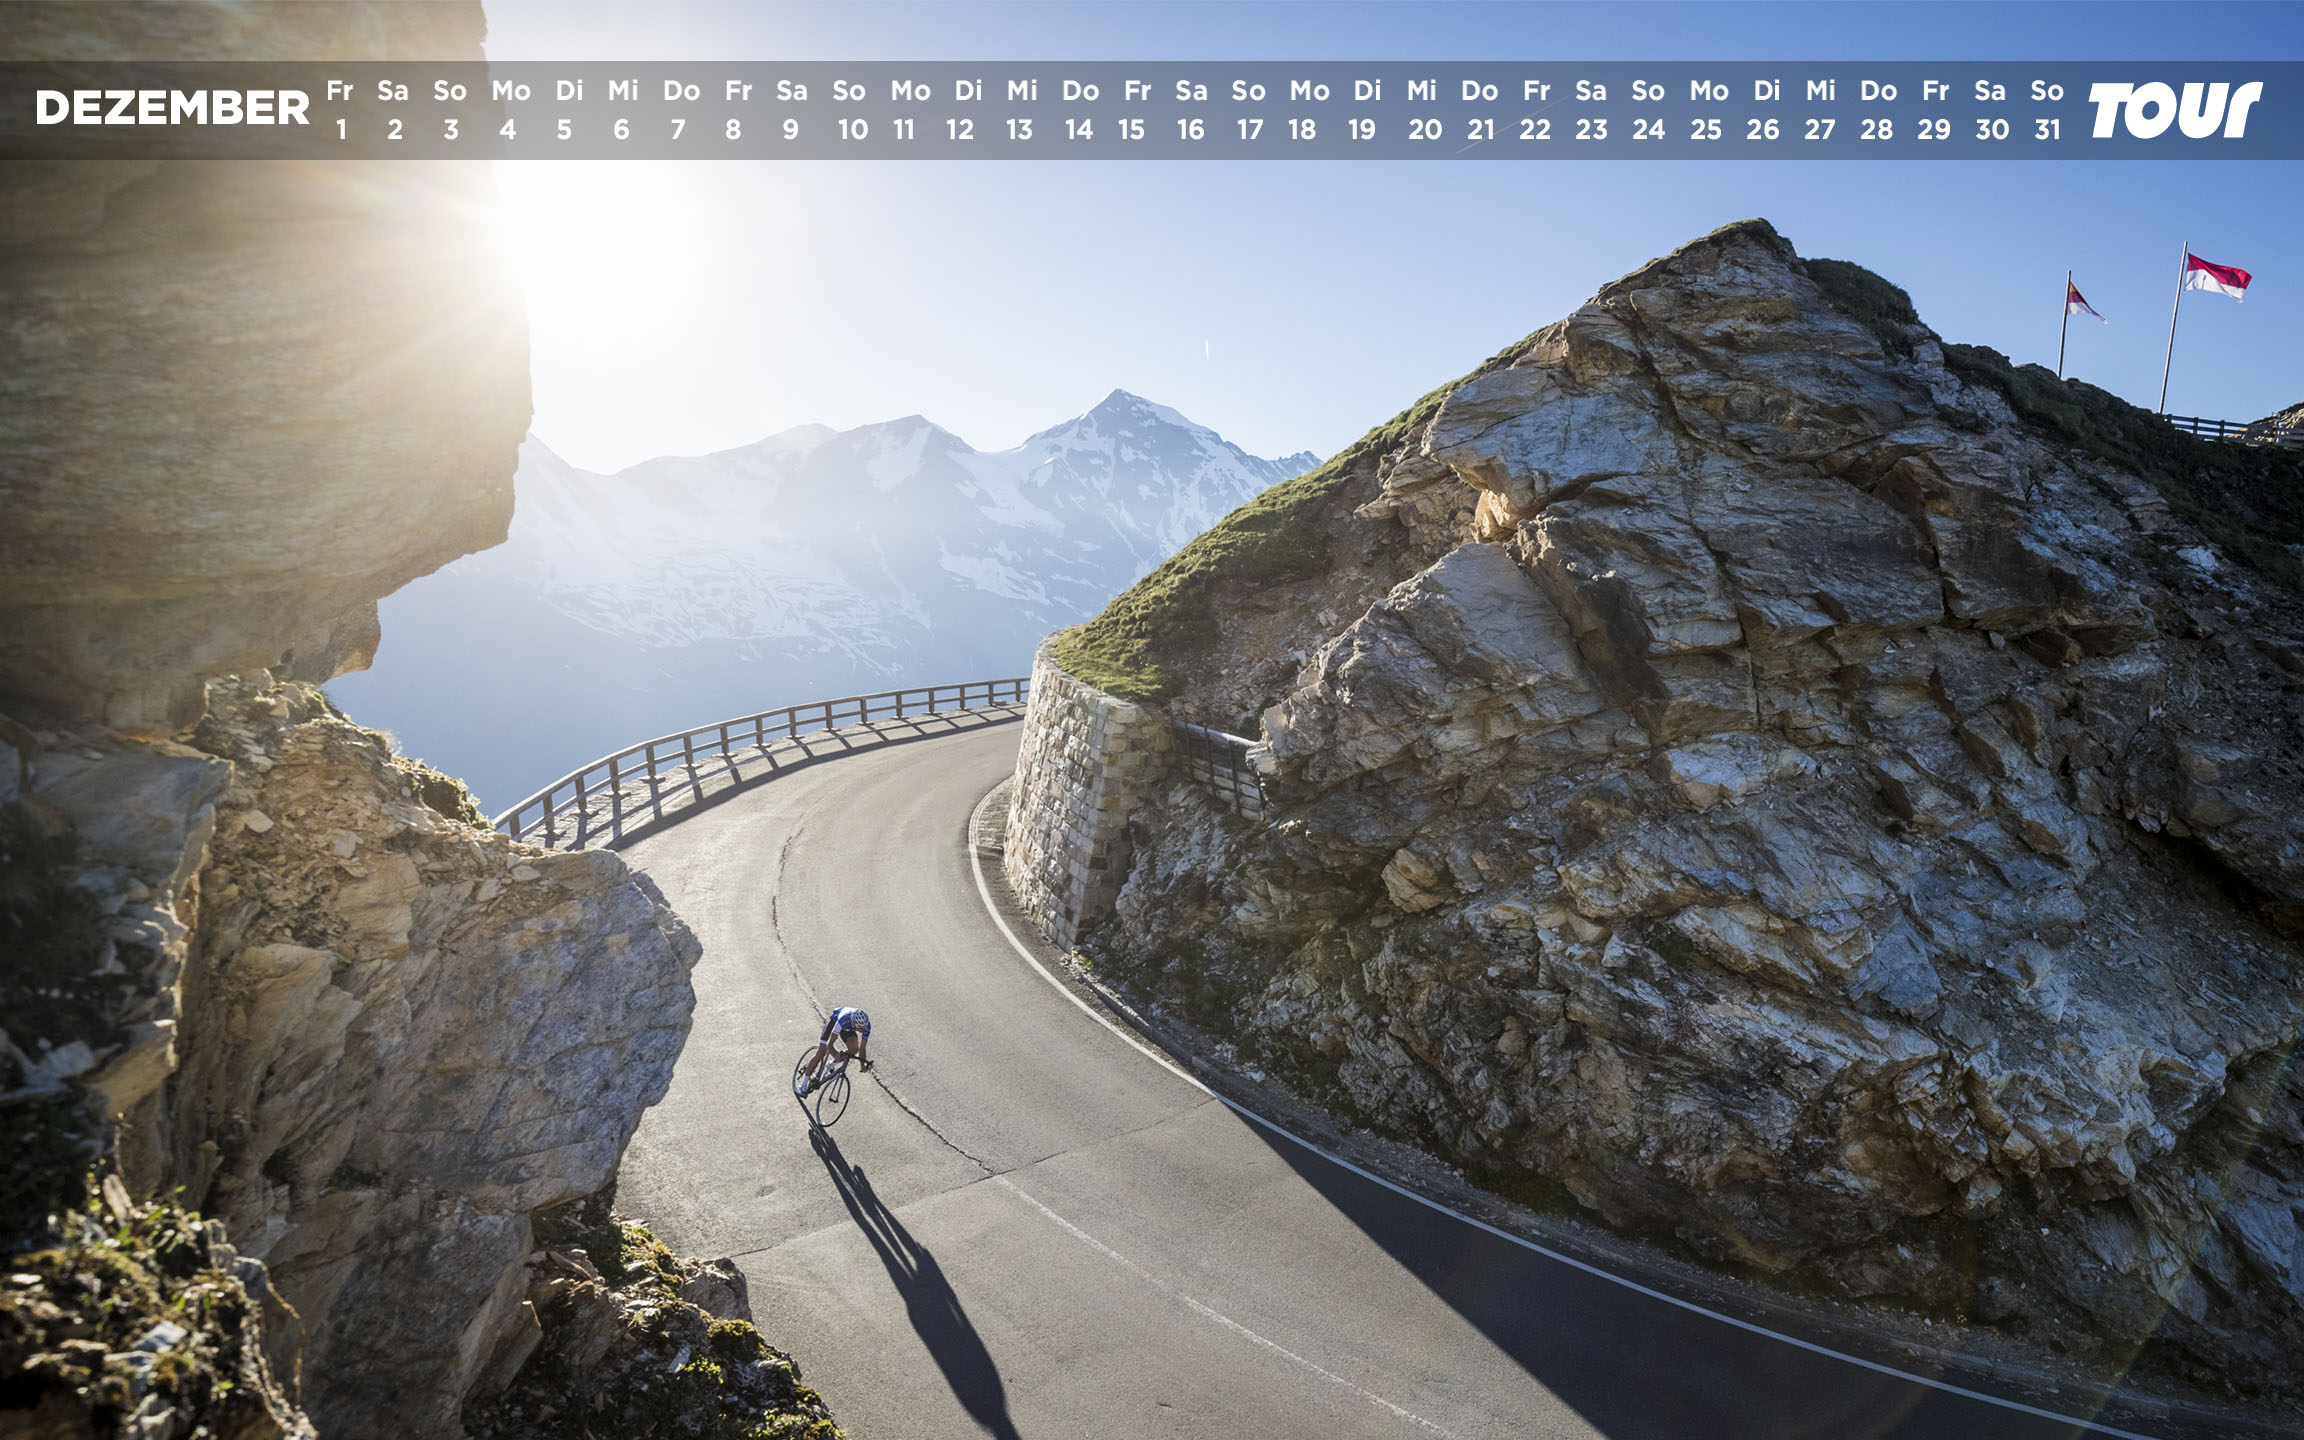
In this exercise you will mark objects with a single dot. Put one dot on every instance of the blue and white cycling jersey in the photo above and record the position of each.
(850, 1019)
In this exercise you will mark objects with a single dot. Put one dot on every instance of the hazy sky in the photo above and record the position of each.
(686, 307)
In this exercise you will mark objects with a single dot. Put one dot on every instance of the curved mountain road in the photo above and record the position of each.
(1025, 1227)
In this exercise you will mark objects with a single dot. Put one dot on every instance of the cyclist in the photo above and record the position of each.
(852, 1028)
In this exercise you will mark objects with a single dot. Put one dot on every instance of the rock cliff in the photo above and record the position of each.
(258, 965)
(240, 400)
(366, 1038)
(1804, 789)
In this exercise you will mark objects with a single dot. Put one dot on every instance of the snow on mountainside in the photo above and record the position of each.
(815, 562)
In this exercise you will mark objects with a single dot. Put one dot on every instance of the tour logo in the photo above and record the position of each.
(2148, 110)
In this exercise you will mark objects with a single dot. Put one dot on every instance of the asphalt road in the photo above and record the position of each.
(1025, 1227)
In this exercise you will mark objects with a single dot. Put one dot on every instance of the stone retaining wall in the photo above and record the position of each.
(1086, 756)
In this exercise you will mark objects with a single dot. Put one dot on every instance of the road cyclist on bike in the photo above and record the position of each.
(851, 1029)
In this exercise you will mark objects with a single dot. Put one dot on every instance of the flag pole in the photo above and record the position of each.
(2065, 324)
(2172, 314)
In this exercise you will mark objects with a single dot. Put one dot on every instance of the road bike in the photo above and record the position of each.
(827, 1100)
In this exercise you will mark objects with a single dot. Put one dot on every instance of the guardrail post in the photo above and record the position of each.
(551, 823)
(583, 812)
(655, 784)
(615, 801)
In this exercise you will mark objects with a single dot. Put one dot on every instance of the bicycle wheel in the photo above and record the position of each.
(800, 1074)
(832, 1099)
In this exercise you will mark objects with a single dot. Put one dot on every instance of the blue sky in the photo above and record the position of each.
(680, 308)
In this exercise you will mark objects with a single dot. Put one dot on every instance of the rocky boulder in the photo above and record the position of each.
(1757, 766)
(643, 1343)
(406, 1035)
(368, 1037)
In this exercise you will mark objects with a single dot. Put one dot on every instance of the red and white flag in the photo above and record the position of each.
(2229, 280)
(2077, 304)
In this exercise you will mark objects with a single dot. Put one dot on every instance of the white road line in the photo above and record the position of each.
(976, 864)
(1218, 1316)
(984, 892)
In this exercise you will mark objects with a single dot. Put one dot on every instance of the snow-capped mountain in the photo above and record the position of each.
(813, 563)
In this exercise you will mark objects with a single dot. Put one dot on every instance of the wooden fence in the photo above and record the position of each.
(2254, 432)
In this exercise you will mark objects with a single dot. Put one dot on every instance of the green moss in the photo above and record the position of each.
(112, 1282)
(640, 1255)
(737, 1389)
(440, 792)
(2249, 502)
(1133, 648)
(736, 1342)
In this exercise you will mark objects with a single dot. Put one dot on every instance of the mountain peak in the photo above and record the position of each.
(903, 426)
(1123, 402)
(1121, 409)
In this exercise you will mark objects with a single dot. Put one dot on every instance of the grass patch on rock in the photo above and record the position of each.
(1879, 305)
(440, 792)
(635, 1361)
(1132, 648)
(131, 1309)
(2249, 502)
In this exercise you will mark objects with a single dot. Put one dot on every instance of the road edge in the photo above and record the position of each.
(985, 838)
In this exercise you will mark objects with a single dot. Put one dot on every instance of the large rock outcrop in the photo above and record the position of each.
(369, 1037)
(259, 962)
(1736, 759)
(406, 1034)
(240, 401)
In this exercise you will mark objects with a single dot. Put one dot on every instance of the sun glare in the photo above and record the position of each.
(605, 247)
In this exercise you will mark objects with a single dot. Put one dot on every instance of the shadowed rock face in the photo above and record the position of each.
(1737, 770)
(370, 1038)
(240, 401)
(405, 1036)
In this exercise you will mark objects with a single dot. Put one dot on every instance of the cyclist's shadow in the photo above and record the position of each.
(936, 1314)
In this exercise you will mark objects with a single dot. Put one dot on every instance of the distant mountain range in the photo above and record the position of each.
(815, 563)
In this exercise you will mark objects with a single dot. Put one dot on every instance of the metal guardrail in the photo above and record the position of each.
(622, 792)
(1224, 763)
(2254, 432)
